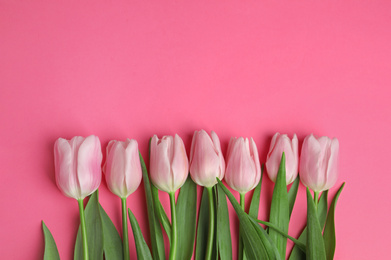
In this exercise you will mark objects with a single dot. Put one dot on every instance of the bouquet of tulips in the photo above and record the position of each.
(78, 175)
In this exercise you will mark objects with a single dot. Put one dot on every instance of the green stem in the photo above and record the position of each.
(242, 200)
(83, 228)
(173, 248)
(209, 246)
(316, 199)
(241, 254)
(125, 238)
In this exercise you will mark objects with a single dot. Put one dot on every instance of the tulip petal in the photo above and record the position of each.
(160, 164)
(332, 166)
(133, 173)
(205, 165)
(310, 164)
(180, 164)
(116, 168)
(255, 158)
(65, 171)
(217, 146)
(89, 159)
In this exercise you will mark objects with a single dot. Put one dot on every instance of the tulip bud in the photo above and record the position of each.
(206, 159)
(318, 163)
(243, 170)
(279, 144)
(123, 168)
(78, 165)
(169, 165)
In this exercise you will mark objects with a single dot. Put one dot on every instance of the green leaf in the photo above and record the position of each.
(271, 247)
(254, 206)
(142, 248)
(160, 213)
(279, 209)
(202, 228)
(329, 229)
(292, 194)
(256, 243)
(158, 251)
(51, 252)
(315, 249)
(223, 233)
(298, 254)
(94, 231)
(186, 210)
(294, 240)
(112, 243)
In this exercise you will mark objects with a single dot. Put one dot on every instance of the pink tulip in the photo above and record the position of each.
(282, 143)
(318, 163)
(169, 165)
(243, 170)
(206, 159)
(78, 165)
(123, 168)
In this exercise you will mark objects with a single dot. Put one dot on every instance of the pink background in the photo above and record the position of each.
(121, 69)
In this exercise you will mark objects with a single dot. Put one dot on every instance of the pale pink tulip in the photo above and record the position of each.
(206, 159)
(279, 144)
(78, 165)
(169, 165)
(319, 162)
(123, 168)
(243, 170)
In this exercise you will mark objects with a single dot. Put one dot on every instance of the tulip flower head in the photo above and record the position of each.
(243, 170)
(169, 165)
(206, 159)
(78, 165)
(279, 144)
(123, 168)
(319, 162)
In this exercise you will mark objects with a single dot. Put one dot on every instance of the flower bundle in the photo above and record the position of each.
(78, 175)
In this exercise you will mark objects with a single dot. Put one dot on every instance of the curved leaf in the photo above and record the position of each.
(142, 248)
(51, 252)
(94, 231)
(223, 233)
(112, 243)
(329, 229)
(155, 230)
(202, 226)
(160, 213)
(254, 206)
(186, 210)
(314, 247)
(298, 254)
(294, 240)
(279, 209)
(292, 194)
(256, 243)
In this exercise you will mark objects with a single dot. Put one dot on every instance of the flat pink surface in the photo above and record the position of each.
(121, 69)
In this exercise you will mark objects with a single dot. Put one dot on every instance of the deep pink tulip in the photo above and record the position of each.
(319, 162)
(206, 159)
(243, 170)
(279, 144)
(78, 165)
(122, 168)
(169, 165)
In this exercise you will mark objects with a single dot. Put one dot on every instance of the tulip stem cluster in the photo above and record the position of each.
(125, 239)
(174, 239)
(78, 175)
(83, 229)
